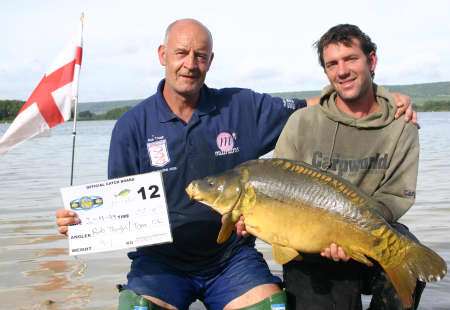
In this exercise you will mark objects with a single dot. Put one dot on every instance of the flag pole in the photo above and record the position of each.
(75, 105)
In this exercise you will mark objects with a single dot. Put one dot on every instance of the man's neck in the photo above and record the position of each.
(182, 106)
(360, 107)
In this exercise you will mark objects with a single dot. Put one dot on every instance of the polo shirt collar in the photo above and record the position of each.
(205, 106)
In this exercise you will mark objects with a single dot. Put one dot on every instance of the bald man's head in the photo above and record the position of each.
(186, 55)
(187, 22)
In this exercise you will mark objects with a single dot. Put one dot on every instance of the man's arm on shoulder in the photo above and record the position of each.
(269, 115)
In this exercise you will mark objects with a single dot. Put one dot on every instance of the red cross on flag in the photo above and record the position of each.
(51, 101)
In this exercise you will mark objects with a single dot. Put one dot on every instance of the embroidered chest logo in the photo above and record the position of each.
(158, 152)
(226, 143)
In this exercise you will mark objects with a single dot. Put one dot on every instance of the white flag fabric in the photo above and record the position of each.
(51, 101)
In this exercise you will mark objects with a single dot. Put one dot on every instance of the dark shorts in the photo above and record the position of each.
(245, 270)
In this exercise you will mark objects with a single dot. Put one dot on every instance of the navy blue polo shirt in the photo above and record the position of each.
(228, 127)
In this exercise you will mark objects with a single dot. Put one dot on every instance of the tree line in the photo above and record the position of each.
(10, 108)
(433, 106)
(109, 115)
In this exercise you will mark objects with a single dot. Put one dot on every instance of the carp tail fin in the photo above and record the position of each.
(424, 263)
(421, 263)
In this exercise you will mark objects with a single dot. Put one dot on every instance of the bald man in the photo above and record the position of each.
(189, 131)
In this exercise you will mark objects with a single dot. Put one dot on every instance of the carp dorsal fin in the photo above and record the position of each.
(282, 254)
(226, 229)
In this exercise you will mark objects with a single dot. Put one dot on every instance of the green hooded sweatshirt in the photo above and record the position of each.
(377, 153)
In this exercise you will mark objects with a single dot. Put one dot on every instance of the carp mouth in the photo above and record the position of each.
(192, 191)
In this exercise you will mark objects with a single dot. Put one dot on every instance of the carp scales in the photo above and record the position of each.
(297, 208)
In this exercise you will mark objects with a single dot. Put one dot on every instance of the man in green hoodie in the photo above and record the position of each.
(356, 137)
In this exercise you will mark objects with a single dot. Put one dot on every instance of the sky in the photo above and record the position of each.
(258, 44)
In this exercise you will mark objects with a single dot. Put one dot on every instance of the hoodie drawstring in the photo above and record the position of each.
(328, 166)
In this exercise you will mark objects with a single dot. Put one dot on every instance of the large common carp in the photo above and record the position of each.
(297, 208)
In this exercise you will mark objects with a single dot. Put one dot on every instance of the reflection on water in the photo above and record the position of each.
(37, 273)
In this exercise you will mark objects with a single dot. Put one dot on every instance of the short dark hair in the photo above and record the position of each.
(344, 33)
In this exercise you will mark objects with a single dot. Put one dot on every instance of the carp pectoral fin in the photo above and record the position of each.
(226, 229)
(282, 254)
(358, 256)
(299, 257)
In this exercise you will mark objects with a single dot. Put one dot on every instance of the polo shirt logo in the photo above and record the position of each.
(158, 153)
(226, 143)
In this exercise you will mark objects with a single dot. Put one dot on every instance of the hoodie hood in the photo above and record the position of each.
(378, 119)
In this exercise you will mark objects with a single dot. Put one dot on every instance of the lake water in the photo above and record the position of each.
(37, 273)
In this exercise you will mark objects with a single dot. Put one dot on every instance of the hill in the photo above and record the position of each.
(420, 93)
(425, 97)
(439, 91)
(101, 107)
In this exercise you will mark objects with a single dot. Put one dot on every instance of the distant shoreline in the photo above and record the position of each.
(114, 114)
(426, 97)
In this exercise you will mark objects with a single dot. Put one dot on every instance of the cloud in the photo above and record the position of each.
(265, 45)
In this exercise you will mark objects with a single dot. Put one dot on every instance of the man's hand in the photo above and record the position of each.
(312, 101)
(335, 253)
(64, 218)
(240, 227)
(404, 106)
